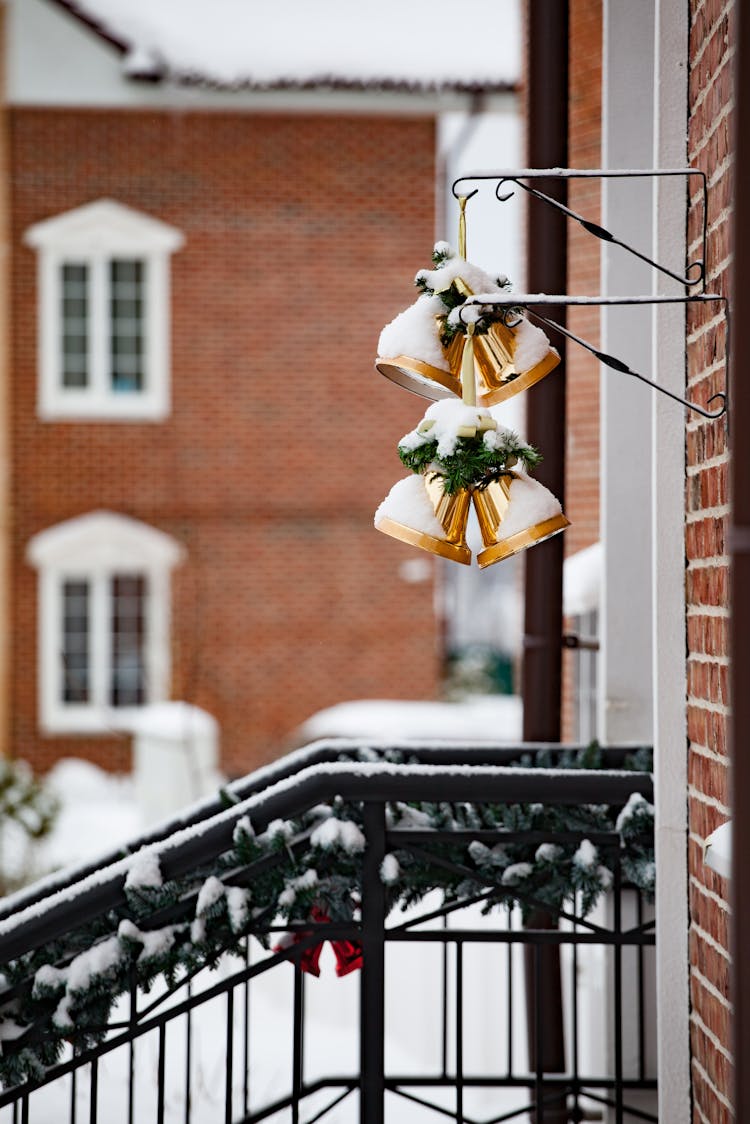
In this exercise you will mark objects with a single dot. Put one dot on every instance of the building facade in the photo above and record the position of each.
(197, 437)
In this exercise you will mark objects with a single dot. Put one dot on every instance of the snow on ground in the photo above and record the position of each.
(294, 42)
(98, 812)
(480, 718)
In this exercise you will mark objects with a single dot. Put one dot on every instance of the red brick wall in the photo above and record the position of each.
(282, 438)
(710, 130)
(582, 420)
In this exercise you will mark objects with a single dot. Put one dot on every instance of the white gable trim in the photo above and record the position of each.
(104, 226)
(100, 537)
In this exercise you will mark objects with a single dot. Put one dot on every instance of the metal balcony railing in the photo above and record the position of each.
(466, 990)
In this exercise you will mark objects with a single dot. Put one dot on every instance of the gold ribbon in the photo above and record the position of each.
(462, 199)
(468, 378)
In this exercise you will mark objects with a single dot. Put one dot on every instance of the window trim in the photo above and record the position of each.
(94, 547)
(94, 235)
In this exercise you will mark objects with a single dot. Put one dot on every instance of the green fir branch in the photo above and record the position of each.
(473, 464)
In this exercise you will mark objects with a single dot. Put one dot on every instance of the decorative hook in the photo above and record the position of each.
(603, 234)
(695, 272)
(509, 194)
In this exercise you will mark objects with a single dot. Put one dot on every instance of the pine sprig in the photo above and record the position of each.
(473, 464)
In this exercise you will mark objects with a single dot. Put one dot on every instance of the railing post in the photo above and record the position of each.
(372, 996)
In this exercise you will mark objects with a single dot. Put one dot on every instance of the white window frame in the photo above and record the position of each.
(94, 548)
(94, 235)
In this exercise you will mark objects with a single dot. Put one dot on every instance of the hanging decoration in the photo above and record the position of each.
(422, 348)
(460, 452)
(463, 455)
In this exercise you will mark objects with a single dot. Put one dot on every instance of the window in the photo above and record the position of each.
(103, 620)
(103, 313)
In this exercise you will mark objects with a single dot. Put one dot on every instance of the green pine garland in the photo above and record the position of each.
(473, 464)
(280, 875)
(452, 297)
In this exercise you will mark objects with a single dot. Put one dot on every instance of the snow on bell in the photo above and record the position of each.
(506, 360)
(514, 513)
(419, 512)
(411, 355)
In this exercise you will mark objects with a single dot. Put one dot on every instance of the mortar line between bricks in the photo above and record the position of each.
(722, 267)
(708, 801)
(712, 462)
(722, 903)
(717, 174)
(711, 941)
(726, 109)
(713, 991)
(705, 1030)
(712, 754)
(720, 170)
(719, 1096)
(719, 709)
(718, 511)
(710, 32)
(705, 373)
(704, 657)
(717, 900)
(695, 335)
(697, 1108)
(726, 58)
(716, 560)
(715, 612)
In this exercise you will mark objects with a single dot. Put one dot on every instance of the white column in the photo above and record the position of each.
(670, 729)
(625, 684)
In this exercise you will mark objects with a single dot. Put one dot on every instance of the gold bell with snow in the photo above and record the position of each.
(507, 361)
(514, 512)
(417, 351)
(461, 455)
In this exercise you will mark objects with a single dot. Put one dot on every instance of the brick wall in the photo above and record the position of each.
(282, 438)
(710, 129)
(582, 420)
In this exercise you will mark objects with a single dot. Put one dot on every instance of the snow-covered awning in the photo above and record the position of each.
(717, 853)
(297, 44)
(582, 579)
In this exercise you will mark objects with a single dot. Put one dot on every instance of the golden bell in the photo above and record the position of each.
(421, 378)
(419, 512)
(498, 377)
(515, 512)
(497, 373)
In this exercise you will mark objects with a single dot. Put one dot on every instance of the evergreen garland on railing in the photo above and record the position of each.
(303, 869)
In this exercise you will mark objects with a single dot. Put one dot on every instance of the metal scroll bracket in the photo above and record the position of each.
(695, 272)
(509, 306)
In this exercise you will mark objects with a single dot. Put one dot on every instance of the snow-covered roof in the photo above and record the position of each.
(294, 44)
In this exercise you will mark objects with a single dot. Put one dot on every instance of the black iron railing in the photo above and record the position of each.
(475, 1046)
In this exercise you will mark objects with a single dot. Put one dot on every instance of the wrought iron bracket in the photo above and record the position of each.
(695, 272)
(510, 304)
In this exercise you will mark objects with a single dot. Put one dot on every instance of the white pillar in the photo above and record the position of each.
(670, 727)
(625, 682)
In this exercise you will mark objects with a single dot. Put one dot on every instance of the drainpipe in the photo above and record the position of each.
(546, 233)
(739, 551)
(547, 147)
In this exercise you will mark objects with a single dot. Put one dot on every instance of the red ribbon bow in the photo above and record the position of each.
(348, 953)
